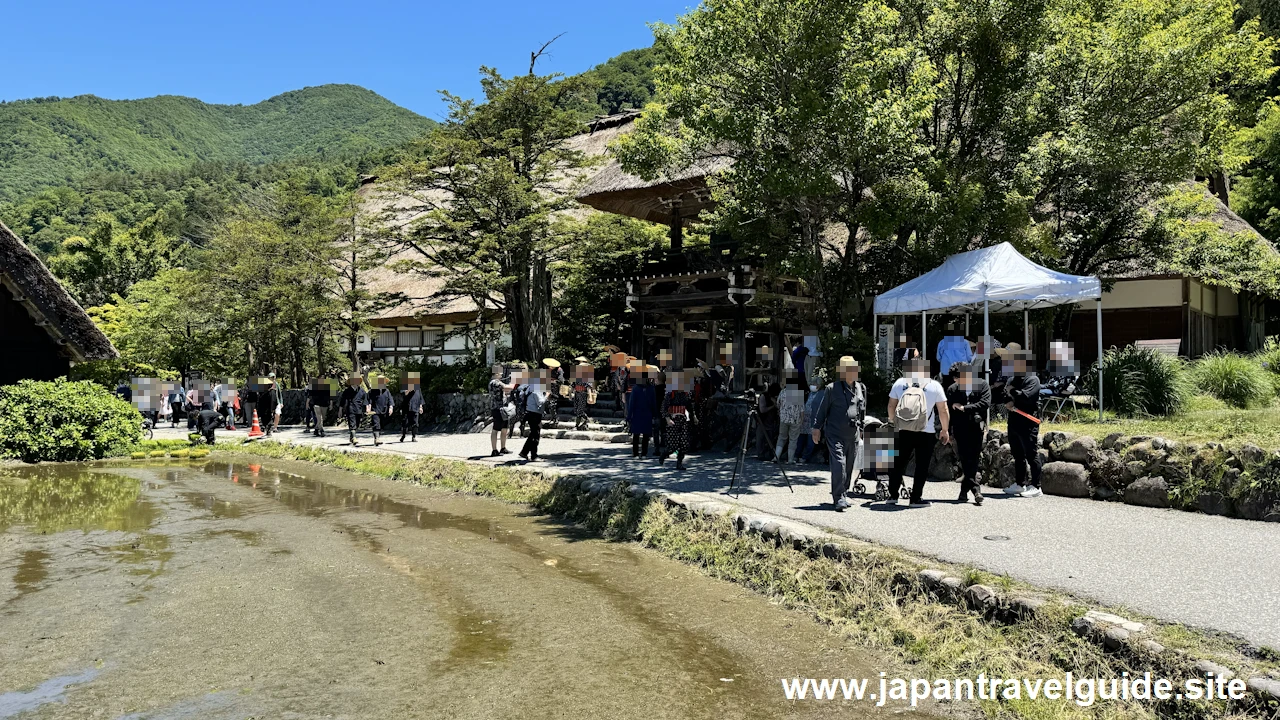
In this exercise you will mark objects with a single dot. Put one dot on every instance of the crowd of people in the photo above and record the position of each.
(797, 415)
(208, 406)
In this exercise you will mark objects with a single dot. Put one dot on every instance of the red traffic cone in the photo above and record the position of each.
(256, 430)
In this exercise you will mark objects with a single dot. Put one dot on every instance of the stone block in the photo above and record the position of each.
(931, 579)
(1208, 667)
(1265, 688)
(1065, 479)
(1212, 503)
(1147, 492)
(981, 598)
(1114, 637)
(1082, 450)
(1025, 608)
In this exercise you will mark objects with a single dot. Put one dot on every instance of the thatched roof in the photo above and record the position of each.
(50, 303)
(1222, 216)
(422, 292)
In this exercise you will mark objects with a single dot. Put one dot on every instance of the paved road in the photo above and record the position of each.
(1210, 572)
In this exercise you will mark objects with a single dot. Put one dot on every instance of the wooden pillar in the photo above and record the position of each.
(677, 230)
(713, 342)
(740, 349)
(677, 344)
(637, 335)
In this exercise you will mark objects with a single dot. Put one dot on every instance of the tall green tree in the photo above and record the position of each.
(928, 126)
(488, 195)
(111, 259)
(817, 103)
(172, 321)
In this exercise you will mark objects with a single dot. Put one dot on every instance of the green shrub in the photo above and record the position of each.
(1234, 379)
(157, 453)
(65, 421)
(1141, 382)
(1269, 359)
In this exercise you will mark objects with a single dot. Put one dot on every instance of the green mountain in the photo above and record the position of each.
(54, 141)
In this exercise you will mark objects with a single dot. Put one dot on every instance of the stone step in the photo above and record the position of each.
(595, 427)
(600, 437)
(594, 411)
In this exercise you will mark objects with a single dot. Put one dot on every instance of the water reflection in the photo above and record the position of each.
(54, 498)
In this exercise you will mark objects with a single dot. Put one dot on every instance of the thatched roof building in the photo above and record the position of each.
(44, 330)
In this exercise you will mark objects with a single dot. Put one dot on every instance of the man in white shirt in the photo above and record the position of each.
(917, 409)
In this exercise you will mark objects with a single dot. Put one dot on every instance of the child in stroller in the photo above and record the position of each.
(878, 454)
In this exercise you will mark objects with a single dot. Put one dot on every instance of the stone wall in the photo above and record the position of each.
(1146, 471)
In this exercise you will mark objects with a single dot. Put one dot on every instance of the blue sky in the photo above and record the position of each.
(244, 52)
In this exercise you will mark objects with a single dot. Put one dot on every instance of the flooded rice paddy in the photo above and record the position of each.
(223, 590)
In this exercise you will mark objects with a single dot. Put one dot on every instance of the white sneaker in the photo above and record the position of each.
(1031, 492)
(1014, 489)
(891, 501)
(843, 503)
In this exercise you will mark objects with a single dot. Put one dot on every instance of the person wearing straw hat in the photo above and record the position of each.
(659, 375)
(271, 399)
(839, 420)
(618, 377)
(382, 405)
(535, 399)
(583, 386)
(676, 415)
(353, 404)
(642, 408)
(500, 385)
(555, 380)
(1023, 393)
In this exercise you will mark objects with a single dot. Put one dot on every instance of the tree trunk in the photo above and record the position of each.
(529, 311)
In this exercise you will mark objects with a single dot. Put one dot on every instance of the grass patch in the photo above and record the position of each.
(873, 596)
(1206, 419)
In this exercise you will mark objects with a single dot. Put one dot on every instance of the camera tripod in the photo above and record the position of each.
(739, 465)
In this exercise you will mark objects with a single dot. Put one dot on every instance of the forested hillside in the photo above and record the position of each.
(51, 142)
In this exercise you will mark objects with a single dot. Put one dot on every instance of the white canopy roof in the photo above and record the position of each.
(999, 275)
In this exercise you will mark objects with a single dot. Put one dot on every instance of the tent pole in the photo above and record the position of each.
(966, 325)
(1099, 359)
(924, 335)
(1026, 332)
(986, 345)
(875, 334)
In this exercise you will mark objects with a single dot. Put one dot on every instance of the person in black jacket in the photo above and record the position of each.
(410, 406)
(208, 421)
(1023, 391)
(320, 395)
(969, 397)
(268, 404)
(353, 404)
(382, 405)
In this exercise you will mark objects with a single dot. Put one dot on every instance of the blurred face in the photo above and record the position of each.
(916, 369)
(848, 371)
(902, 341)
(966, 380)
(726, 354)
(354, 381)
(665, 358)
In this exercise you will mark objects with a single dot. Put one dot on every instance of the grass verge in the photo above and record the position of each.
(873, 595)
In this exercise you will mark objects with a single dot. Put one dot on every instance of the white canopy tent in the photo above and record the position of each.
(993, 279)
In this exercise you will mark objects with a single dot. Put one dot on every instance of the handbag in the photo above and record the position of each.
(591, 396)
(508, 411)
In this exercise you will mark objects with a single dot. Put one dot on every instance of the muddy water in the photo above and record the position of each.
(236, 591)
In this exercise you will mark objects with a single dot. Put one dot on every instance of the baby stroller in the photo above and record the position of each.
(878, 454)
